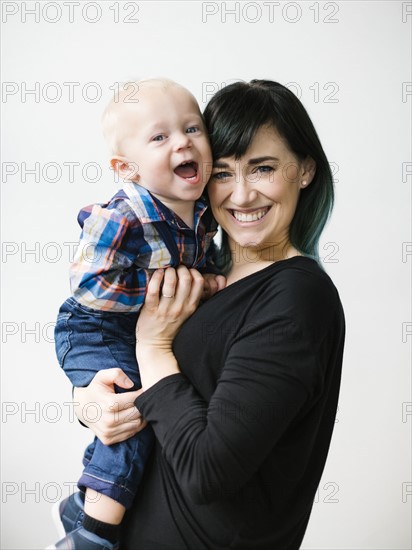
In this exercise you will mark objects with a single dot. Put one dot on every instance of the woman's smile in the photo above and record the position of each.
(254, 198)
(249, 216)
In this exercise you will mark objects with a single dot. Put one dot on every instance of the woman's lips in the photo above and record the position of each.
(250, 216)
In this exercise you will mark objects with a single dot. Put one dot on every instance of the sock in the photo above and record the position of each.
(104, 530)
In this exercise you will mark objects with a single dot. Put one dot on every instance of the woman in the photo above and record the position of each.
(242, 397)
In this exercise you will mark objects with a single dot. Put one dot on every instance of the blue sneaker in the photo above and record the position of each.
(68, 514)
(80, 539)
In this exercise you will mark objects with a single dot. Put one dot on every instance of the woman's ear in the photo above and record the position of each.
(125, 169)
(308, 172)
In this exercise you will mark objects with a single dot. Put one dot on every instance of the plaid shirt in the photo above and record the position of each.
(121, 245)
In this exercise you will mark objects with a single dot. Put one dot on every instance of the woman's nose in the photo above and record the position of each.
(243, 192)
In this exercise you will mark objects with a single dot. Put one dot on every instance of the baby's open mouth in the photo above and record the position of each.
(187, 170)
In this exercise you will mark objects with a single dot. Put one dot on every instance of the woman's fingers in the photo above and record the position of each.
(117, 416)
(187, 287)
(109, 377)
(153, 289)
(113, 417)
(169, 283)
(221, 282)
(197, 286)
(108, 436)
(183, 286)
(172, 287)
(209, 286)
(121, 418)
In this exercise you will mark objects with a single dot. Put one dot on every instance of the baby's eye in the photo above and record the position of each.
(159, 137)
(192, 129)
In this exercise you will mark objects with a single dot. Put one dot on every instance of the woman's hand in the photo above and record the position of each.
(172, 296)
(111, 416)
(211, 284)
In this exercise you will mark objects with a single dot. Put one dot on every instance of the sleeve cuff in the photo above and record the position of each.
(146, 396)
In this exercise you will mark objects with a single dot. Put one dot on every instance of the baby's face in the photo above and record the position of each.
(165, 140)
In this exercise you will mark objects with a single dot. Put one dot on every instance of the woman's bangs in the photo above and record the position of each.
(232, 124)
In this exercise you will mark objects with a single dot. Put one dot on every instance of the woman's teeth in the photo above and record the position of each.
(252, 217)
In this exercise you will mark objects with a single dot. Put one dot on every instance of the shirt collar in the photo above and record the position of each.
(150, 209)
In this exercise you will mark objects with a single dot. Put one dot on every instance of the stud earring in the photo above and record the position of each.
(304, 183)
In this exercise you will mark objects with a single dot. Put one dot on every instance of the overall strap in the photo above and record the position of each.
(166, 233)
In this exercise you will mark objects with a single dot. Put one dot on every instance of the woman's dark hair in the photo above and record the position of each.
(234, 115)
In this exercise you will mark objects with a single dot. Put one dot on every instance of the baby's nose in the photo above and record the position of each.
(182, 141)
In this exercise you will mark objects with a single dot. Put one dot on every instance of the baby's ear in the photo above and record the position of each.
(126, 170)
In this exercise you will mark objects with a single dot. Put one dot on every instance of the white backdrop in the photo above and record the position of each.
(350, 64)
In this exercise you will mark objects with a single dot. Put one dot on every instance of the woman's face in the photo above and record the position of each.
(254, 198)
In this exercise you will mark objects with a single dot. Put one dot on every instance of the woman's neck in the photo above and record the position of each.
(248, 260)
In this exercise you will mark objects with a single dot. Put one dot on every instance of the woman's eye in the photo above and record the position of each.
(265, 169)
(221, 175)
(160, 137)
(192, 129)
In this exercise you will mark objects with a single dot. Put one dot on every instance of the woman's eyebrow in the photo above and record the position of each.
(220, 164)
(258, 160)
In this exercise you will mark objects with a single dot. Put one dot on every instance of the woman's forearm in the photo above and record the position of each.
(172, 296)
(154, 365)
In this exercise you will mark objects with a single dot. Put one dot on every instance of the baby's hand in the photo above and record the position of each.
(212, 284)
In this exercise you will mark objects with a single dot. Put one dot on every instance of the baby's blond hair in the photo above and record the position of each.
(123, 101)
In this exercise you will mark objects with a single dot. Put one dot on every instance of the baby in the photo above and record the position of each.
(160, 148)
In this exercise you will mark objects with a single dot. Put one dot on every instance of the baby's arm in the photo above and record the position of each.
(103, 275)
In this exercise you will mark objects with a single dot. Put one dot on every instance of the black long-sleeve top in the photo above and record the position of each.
(243, 432)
